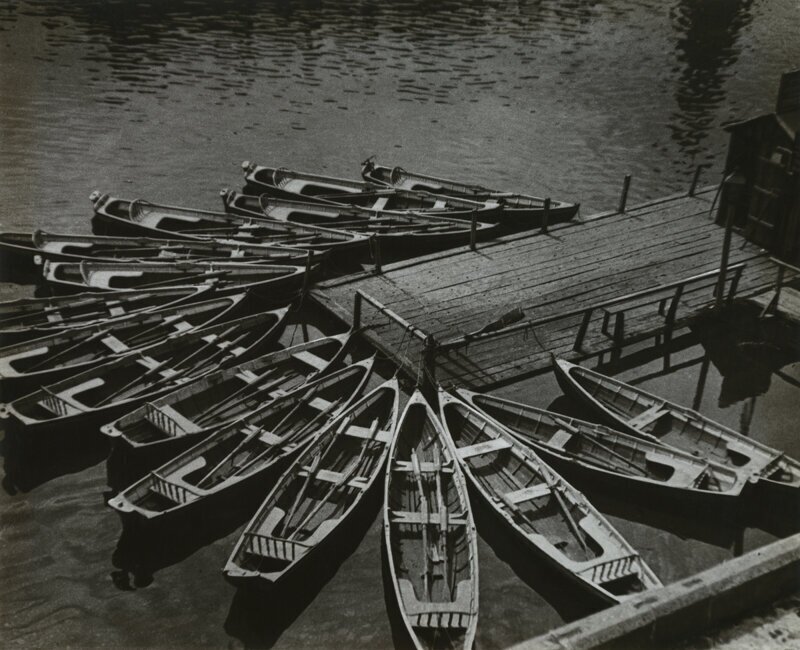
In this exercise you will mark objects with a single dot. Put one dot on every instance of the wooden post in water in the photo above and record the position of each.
(307, 274)
(473, 230)
(732, 188)
(357, 310)
(695, 179)
(623, 199)
(377, 244)
(546, 216)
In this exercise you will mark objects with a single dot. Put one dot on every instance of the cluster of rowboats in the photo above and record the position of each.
(169, 349)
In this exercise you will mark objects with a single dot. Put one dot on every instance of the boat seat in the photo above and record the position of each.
(148, 362)
(319, 403)
(424, 466)
(115, 308)
(527, 494)
(440, 204)
(454, 614)
(419, 518)
(182, 326)
(310, 359)
(54, 317)
(247, 376)
(647, 417)
(330, 476)
(114, 344)
(487, 447)
(267, 437)
(559, 439)
(381, 435)
(169, 420)
(380, 204)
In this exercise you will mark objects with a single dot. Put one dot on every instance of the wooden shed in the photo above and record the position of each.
(761, 193)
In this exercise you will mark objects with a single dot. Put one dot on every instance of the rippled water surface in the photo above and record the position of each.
(163, 100)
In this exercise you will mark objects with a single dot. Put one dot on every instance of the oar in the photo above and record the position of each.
(135, 380)
(312, 470)
(443, 516)
(216, 406)
(342, 481)
(228, 457)
(577, 431)
(554, 489)
(425, 511)
(71, 348)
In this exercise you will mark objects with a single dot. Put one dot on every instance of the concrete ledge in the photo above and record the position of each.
(685, 608)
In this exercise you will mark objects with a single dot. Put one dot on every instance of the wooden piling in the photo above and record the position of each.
(546, 216)
(473, 231)
(695, 179)
(623, 198)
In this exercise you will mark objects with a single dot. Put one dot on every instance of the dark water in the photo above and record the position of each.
(162, 100)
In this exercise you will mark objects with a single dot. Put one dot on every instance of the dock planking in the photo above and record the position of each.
(573, 266)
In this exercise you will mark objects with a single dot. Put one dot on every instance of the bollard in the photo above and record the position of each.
(473, 231)
(623, 199)
(546, 216)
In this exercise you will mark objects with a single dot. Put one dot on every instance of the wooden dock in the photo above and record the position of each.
(580, 289)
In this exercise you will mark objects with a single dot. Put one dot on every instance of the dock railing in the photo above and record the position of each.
(772, 306)
(664, 300)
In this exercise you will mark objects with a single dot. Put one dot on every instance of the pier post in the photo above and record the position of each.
(696, 178)
(377, 252)
(623, 199)
(546, 216)
(307, 274)
(357, 310)
(473, 231)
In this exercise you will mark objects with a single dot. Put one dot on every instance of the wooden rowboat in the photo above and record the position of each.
(87, 400)
(161, 428)
(307, 509)
(273, 280)
(398, 232)
(519, 210)
(289, 184)
(29, 364)
(244, 454)
(429, 533)
(643, 469)
(30, 318)
(24, 252)
(121, 216)
(642, 414)
(551, 518)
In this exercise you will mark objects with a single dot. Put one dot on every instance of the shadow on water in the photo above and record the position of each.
(27, 467)
(400, 637)
(247, 618)
(707, 45)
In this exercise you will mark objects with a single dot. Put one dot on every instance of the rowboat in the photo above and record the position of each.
(83, 402)
(551, 518)
(44, 360)
(243, 455)
(429, 533)
(163, 427)
(519, 210)
(398, 232)
(289, 184)
(332, 214)
(29, 318)
(642, 414)
(30, 249)
(599, 455)
(271, 280)
(138, 217)
(307, 509)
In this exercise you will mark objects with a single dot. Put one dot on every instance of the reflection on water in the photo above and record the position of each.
(162, 100)
(707, 46)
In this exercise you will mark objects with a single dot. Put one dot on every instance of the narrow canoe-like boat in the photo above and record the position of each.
(289, 184)
(430, 536)
(642, 414)
(402, 232)
(243, 454)
(26, 365)
(138, 217)
(28, 250)
(519, 210)
(308, 507)
(272, 280)
(551, 518)
(334, 214)
(170, 424)
(587, 451)
(29, 318)
(88, 399)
